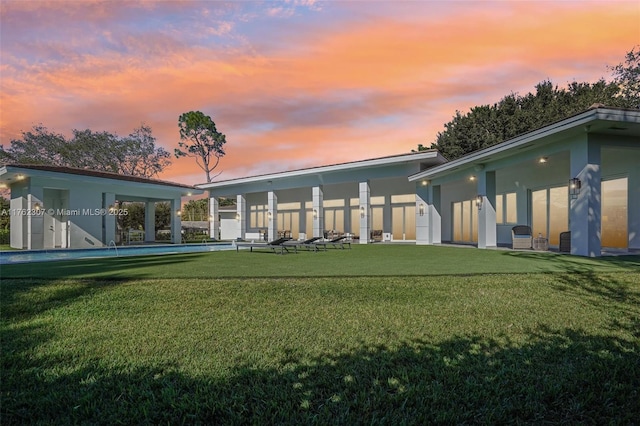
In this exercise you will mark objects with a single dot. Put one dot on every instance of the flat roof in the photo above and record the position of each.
(595, 120)
(10, 172)
(431, 155)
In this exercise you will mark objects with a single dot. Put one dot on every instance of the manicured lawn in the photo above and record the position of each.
(374, 335)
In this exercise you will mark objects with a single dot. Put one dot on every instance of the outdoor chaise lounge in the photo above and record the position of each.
(274, 245)
(308, 244)
(337, 242)
(521, 237)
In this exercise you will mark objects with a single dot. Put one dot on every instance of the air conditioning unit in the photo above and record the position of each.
(386, 236)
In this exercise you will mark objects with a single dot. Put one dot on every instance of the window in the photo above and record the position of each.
(506, 208)
(614, 213)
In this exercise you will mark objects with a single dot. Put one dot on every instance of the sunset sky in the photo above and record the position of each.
(292, 84)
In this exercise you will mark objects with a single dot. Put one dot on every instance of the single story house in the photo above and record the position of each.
(580, 176)
(63, 207)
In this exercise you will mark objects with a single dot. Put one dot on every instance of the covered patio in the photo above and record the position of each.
(62, 207)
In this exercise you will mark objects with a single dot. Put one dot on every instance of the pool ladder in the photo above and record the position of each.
(112, 243)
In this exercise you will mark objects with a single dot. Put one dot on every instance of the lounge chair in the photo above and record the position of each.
(272, 245)
(308, 244)
(521, 237)
(335, 242)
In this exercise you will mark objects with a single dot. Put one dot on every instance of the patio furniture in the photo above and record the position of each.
(272, 245)
(540, 243)
(376, 235)
(308, 244)
(338, 242)
(565, 242)
(521, 237)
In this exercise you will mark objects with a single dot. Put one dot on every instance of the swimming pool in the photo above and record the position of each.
(10, 257)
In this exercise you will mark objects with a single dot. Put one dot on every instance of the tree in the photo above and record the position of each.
(200, 139)
(513, 115)
(627, 76)
(135, 155)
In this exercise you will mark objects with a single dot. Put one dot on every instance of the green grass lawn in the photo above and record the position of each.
(374, 335)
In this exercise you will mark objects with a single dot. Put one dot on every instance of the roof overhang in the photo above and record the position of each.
(428, 158)
(614, 121)
(11, 174)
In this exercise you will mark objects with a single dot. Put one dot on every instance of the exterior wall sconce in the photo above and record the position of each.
(178, 213)
(112, 209)
(421, 209)
(269, 215)
(543, 160)
(479, 199)
(238, 217)
(424, 183)
(315, 213)
(472, 178)
(37, 207)
(362, 211)
(574, 187)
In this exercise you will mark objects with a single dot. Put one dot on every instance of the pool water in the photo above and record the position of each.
(11, 257)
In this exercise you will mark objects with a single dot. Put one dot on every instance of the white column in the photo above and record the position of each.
(487, 231)
(422, 214)
(318, 211)
(585, 209)
(365, 212)
(150, 221)
(176, 221)
(214, 218)
(272, 215)
(435, 219)
(35, 222)
(109, 200)
(241, 204)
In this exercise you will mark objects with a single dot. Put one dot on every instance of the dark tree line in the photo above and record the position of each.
(513, 115)
(135, 154)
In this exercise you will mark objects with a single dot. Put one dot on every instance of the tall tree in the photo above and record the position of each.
(627, 76)
(200, 139)
(135, 155)
(513, 115)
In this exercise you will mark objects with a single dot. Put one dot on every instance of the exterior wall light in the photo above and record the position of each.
(315, 213)
(178, 213)
(472, 178)
(421, 209)
(269, 215)
(238, 217)
(479, 199)
(362, 211)
(574, 187)
(37, 207)
(543, 160)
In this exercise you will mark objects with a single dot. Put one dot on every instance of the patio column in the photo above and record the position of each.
(35, 223)
(109, 203)
(365, 212)
(150, 221)
(585, 207)
(422, 213)
(214, 218)
(176, 222)
(317, 198)
(487, 231)
(633, 189)
(272, 215)
(435, 219)
(241, 204)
